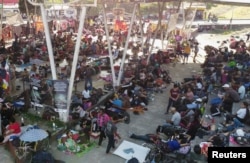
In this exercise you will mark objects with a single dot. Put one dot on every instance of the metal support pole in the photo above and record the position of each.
(109, 47)
(140, 22)
(1, 28)
(126, 46)
(48, 41)
(64, 115)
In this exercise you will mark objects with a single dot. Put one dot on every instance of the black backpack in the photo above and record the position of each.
(133, 160)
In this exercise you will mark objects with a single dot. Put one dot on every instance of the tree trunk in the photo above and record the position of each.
(27, 13)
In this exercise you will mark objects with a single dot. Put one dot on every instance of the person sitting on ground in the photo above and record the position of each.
(194, 125)
(6, 114)
(189, 96)
(176, 118)
(149, 138)
(70, 142)
(12, 130)
(197, 154)
(242, 114)
(86, 93)
(229, 98)
(117, 101)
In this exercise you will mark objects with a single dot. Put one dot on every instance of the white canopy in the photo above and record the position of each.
(14, 19)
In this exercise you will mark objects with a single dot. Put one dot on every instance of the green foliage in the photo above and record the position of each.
(210, 5)
(57, 122)
(32, 118)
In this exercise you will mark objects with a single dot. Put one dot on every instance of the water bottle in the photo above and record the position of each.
(22, 121)
(54, 126)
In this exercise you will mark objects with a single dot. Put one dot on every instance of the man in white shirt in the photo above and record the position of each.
(176, 118)
(86, 93)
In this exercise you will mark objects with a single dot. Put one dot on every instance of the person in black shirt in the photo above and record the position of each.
(6, 115)
(86, 127)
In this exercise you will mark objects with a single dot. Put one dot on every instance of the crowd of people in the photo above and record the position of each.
(141, 80)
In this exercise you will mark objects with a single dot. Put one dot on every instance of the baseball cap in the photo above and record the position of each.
(226, 86)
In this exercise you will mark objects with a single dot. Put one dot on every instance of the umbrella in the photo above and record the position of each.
(36, 61)
(34, 135)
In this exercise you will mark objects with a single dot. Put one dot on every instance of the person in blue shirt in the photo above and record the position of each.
(117, 102)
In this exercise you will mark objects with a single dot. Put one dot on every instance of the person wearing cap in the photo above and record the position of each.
(229, 98)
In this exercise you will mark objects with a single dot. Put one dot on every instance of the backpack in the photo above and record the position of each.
(109, 130)
(133, 160)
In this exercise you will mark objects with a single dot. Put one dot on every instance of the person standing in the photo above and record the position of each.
(12, 72)
(102, 120)
(248, 37)
(174, 96)
(231, 96)
(88, 77)
(186, 53)
(196, 50)
(242, 91)
(111, 133)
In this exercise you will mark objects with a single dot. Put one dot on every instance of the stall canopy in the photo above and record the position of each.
(14, 19)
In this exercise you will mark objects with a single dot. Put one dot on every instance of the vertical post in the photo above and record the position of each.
(231, 20)
(109, 47)
(190, 24)
(140, 22)
(63, 115)
(1, 28)
(126, 46)
(48, 41)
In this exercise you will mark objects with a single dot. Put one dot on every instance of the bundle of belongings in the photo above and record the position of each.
(240, 137)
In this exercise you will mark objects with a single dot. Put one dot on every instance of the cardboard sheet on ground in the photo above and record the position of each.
(127, 150)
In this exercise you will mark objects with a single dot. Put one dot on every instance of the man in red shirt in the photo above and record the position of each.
(174, 96)
(13, 129)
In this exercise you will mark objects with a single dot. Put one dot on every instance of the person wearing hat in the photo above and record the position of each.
(229, 98)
